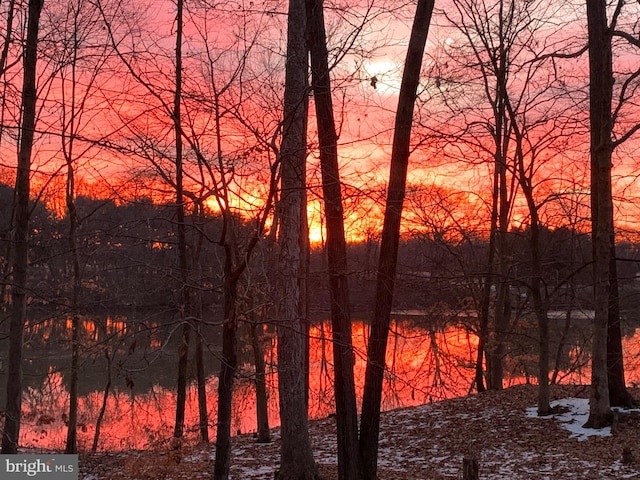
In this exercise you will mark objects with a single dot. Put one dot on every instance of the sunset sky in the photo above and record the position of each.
(111, 109)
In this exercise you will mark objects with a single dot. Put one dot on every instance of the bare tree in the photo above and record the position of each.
(296, 456)
(486, 131)
(343, 354)
(607, 377)
(11, 431)
(628, 84)
(600, 95)
(76, 36)
(376, 350)
(184, 302)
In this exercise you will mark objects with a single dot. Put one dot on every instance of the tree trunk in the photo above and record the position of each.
(619, 396)
(385, 282)
(502, 314)
(67, 148)
(182, 240)
(343, 355)
(470, 469)
(536, 283)
(228, 366)
(600, 99)
(502, 310)
(11, 432)
(544, 395)
(8, 37)
(203, 415)
(71, 445)
(5, 266)
(304, 285)
(105, 399)
(181, 389)
(296, 457)
(262, 411)
(485, 301)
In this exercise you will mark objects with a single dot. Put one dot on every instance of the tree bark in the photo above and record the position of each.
(296, 457)
(470, 469)
(385, 282)
(262, 412)
(619, 396)
(202, 385)
(343, 355)
(105, 399)
(601, 148)
(228, 367)
(11, 431)
(184, 310)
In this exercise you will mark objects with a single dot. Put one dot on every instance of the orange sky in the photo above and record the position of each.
(120, 111)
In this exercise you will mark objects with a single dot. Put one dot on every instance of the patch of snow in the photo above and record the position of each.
(574, 418)
(256, 473)
(623, 470)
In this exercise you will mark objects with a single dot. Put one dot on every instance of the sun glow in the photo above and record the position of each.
(384, 75)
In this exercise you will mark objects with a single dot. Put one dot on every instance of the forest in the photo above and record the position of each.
(229, 182)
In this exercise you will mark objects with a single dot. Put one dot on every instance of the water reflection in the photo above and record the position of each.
(424, 364)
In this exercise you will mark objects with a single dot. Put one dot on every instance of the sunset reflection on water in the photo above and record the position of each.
(423, 365)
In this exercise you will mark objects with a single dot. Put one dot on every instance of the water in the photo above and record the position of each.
(424, 364)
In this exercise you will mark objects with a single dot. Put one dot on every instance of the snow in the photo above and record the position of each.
(501, 430)
(574, 413)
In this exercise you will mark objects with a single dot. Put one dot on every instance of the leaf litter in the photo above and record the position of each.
(501, 430)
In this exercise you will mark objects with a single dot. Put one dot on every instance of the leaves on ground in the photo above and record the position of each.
(421, 443)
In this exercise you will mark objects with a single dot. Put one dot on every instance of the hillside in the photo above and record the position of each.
(428, 442)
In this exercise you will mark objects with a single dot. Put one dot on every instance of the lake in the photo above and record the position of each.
(425, 363)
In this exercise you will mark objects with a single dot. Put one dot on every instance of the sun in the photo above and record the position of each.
(384, 75)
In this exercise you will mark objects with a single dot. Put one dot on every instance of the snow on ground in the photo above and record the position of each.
(573, 414)
(500, 429)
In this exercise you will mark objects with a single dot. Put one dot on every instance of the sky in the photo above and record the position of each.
(115, 106)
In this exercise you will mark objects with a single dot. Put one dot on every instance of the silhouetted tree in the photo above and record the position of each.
(296, 456)
(376, 350)
(11, 431)
(343, 355)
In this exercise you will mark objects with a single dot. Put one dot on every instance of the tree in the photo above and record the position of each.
(206, 129)
(530, 141)
(607, 375)
(618, 393)
(262, 414)
(221, 177)
(376, 350)
(511, 109)
(484, 63)
(343, 354)
(75, 35)
(601, 148)
(296, 456)
(11, 431)
(184, 307)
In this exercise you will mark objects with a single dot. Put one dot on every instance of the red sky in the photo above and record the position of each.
(233, 59)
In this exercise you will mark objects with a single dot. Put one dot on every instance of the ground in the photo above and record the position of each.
(499, 429)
